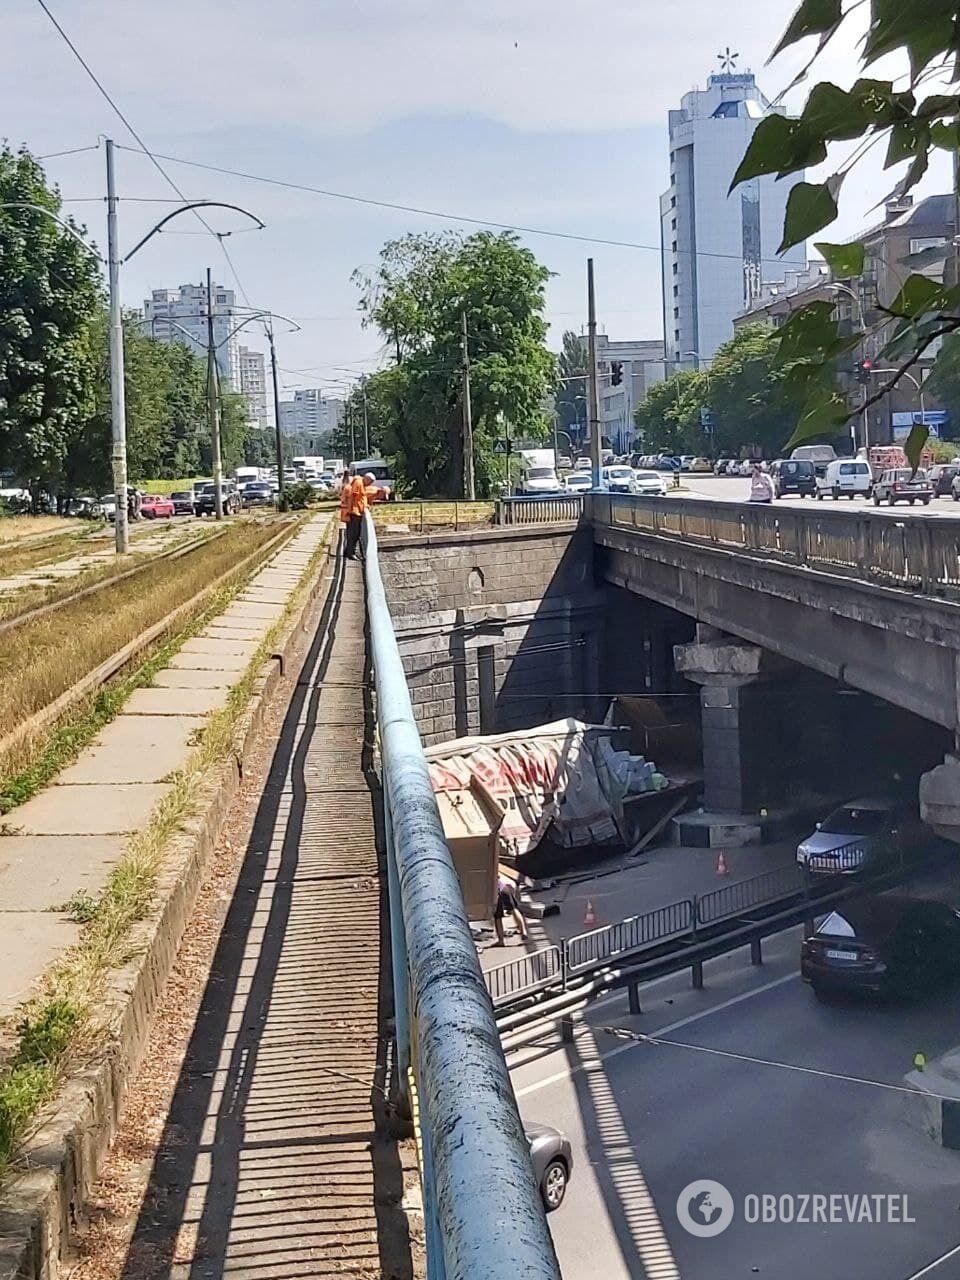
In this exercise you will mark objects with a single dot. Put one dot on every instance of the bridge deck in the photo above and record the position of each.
(275, 1160)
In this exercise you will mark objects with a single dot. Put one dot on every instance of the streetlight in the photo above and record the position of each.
(835, 286)
(113, 263)
(903, 373)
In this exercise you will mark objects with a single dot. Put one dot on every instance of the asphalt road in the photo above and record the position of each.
(796, 1098)
(737, 489)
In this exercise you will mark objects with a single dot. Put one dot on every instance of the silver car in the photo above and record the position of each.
(858, 833)
(552, 1162)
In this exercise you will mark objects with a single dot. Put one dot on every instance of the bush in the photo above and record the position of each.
(296, 497)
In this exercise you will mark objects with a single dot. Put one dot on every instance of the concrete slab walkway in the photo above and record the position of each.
(68, 839)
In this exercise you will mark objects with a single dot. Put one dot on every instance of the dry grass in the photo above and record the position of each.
(21, 558)
(12, 528)
(45, 657)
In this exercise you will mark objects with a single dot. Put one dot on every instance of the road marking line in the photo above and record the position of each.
(935, 1263)
(661, 1031)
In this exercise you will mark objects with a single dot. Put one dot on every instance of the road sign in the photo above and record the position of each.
(502, 446)
(706, 420)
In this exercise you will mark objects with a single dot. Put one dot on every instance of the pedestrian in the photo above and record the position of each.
(356, 506)
(507, 904)
(371, 488)
(761, 486)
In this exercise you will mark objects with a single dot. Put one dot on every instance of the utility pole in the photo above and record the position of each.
(366, 424)
(353, 441)
(593, 390)
(213, 407)
(118, 410)
(470, 488)
(276, 407)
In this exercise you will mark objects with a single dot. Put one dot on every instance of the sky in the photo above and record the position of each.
(529, 113)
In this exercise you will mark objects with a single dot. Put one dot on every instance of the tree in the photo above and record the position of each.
(417, 298)
(912, 119)
(49, 292)
(571, 395)
(746, 392)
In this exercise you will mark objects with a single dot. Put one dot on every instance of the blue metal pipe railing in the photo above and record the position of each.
(480, 1184)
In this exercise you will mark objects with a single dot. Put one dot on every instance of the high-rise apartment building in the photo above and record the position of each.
(253, 384)
(311, 411)
(717, 245)
(180, 315)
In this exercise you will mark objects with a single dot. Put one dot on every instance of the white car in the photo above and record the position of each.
(108, 506)
(649, 483)
(577, 482)
(617, 479)
(583, 464)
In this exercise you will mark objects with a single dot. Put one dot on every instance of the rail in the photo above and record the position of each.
(919, 555)
(561, 508)
(524, 975)
(482, 1212)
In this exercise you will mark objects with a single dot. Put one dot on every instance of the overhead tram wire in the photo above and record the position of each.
(134, 134)
(436, 213)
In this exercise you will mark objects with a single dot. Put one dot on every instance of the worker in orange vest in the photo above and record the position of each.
(372, 489)
(353, 500)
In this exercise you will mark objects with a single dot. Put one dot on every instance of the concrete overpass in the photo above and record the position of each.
(866, 598)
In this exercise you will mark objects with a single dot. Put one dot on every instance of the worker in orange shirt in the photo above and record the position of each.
(354, 500)
(372, 489)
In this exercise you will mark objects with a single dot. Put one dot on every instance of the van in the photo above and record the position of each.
(794, 475)
(538, 478)
(846, 477)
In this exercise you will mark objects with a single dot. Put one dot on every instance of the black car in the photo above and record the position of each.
(204, 502)
(883, 944)
(794, 475)
(258, 493)
(182, 502)
(942, 477)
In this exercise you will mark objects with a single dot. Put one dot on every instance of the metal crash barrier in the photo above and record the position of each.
(482, 1210)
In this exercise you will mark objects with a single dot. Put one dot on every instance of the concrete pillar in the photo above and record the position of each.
(940, 798)
(734, 740)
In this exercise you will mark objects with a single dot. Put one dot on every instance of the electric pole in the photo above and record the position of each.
(276, 407)
(118, 411)
(213, 407)
(366, 423)
(470, 489)
(593, 391)
(353, 442)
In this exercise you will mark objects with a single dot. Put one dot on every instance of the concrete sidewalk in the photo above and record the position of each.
(67, 839)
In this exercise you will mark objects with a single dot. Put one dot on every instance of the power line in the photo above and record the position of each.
(436, 213)
(73, 151)
(134, 134)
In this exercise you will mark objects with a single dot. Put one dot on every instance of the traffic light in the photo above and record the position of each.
(616, 373)
(864, 368)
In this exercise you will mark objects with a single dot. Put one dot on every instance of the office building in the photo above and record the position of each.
(718, 246)
(253, 384)
(180, 315)
(310, 411)
(641, 364)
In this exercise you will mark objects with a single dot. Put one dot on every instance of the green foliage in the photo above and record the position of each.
(571, 393)
(416, 299)
(870, 111)
(296, 497)
(49, 291)
(747, 390)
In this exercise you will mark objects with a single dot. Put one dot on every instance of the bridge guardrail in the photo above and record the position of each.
(585, 951)
(535, 509)
(742, 895)
(916, 554)
(527, 973)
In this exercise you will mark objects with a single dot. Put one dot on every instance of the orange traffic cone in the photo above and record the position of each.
(589, 916)
(722, 868)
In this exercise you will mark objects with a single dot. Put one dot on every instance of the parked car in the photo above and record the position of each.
(108, 506)
(154, 506)
(846, 477)
(577, 482)
(856, 835)
(257, 493)
(182, 501)
(665, 462)
(902, 485)
(883, 943)
(616, 479)
(686, 461)
(552, 1162)
(791, 475)
(649, 483)
(583, 464)
(702, 465)
(720, 466)
(942, 477)
(205, 501)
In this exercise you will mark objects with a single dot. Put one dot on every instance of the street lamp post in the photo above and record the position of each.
(837, 287)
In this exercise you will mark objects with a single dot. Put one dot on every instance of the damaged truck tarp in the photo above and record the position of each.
(565, 778)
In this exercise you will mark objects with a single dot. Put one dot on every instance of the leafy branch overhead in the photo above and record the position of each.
(912, 116)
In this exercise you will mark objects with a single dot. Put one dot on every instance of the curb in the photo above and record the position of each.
(40, 1206)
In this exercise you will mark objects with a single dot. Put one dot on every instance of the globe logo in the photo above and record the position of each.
(705, 1208)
